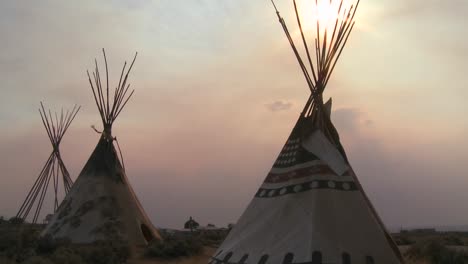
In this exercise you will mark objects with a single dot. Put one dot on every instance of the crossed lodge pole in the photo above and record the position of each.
(56, 125)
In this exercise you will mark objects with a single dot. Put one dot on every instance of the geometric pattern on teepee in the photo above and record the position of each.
(299, 167)
(102, 204)
(54, 168)
(308, 211)
(311, 207)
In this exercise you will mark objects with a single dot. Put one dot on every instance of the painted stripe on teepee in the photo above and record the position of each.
(306, 186)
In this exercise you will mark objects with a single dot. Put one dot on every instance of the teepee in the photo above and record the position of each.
(54, 168)
(102, 205)
(311, 207)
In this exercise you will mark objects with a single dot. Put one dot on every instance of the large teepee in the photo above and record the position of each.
(101, 205)
(56, 125)
(311, 207)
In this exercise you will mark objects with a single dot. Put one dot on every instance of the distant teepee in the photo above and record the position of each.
(54, 168)
(101, 204)
(311, 207)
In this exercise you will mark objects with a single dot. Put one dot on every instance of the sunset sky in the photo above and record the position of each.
(218, 90)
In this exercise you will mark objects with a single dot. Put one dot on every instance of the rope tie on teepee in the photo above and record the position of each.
(120, 152)
(97, 131)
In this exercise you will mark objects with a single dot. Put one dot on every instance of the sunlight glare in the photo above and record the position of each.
(325, 12)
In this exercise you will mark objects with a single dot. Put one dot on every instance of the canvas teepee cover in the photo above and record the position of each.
(311, 207)
(101, 205)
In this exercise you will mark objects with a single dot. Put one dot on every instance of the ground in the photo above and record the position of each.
(200, 259)
(20, 243)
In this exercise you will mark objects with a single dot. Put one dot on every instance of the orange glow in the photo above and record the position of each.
(324, 12)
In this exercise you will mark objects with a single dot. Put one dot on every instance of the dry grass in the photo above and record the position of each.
(200, 259)
(417, 261)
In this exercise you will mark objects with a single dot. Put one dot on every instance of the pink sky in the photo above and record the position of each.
(217, 93)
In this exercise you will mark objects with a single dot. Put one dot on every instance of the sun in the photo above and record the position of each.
(326, 12)
(323, 13)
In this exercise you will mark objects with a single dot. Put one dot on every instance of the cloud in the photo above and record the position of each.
(350, 119)
(422, 9)
(368, 122)
(407, 182)
(279, 105)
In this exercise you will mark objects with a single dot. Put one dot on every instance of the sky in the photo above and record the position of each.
(217, 92)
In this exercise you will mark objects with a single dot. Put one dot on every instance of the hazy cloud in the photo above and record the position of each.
(279, 105)
(350, 119)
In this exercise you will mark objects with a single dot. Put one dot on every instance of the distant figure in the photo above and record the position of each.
(191, 224)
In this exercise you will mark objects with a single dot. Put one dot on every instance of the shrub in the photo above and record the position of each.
(28, 236)
(453, 240)
(436, 253)
(8, 239)
(47, 245)
(5, 260)
(106, 252)
(17, 241)
(213, 238)
(20, 243)
(402, 240)
(66, 255)
(174, 247)
(15, 220)
(38, 260)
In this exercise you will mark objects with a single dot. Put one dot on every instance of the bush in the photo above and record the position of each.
(174, 247)
(28, 236)
(436, 253)
(106, 252)
(402, 240)
(8, 239)
(38, 260)
(17, 241)
(46, 245)
(453, 240)
(66, 255)
(61, 251)
(16, 220)
(5, 260)
(20, 243)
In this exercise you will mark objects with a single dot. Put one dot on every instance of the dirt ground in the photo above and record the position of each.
(201, 259)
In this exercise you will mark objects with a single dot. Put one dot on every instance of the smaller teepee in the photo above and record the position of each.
(54, 168)
(101, 204)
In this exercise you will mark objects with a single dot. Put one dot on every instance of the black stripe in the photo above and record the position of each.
(306, 186)
(288, 259)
